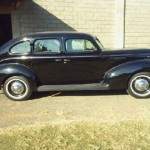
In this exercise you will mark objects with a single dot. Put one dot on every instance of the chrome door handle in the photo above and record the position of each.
(66, 60)
(57, 59)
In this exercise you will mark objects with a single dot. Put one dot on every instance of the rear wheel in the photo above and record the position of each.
(17, 88)
(139, 85)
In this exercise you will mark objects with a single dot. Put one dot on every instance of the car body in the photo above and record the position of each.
(63, 61)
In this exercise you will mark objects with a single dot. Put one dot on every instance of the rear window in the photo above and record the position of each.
(21, 48)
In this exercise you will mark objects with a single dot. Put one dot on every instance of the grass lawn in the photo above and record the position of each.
(127, 135)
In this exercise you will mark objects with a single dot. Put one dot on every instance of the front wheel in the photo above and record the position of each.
(139, 85)
(17, 88)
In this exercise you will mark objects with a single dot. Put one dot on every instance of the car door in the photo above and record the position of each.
(47, 61)
(83, 62)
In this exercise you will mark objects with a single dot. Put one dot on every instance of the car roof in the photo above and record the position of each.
(48, 34)
(57, 33)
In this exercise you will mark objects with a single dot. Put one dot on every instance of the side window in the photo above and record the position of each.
(79, 45)
(21, 48)
(47, 45)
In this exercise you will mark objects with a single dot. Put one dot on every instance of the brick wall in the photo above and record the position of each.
(91, 16)
(117, 23)
(137, 23)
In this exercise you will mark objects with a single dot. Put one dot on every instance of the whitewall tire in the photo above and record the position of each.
(17, 88)
(139, 85)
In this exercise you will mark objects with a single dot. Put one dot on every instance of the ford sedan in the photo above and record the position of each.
(68, 61)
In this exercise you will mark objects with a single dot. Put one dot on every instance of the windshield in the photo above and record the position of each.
(99, 43)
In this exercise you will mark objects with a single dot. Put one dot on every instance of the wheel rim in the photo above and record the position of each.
(16, 89)
(140, 85)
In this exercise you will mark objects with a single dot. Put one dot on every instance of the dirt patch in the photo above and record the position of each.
(73, 106)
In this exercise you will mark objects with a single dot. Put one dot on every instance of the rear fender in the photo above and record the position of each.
(118, 77)
(9, 70)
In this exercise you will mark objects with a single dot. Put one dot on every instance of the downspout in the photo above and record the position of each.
(15, 5)
(120, 23)
(124, 38)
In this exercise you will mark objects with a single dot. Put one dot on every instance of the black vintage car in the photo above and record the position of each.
(65, 61)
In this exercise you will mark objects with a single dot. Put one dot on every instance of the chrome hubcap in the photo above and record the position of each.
(141, 85)
(17, 88)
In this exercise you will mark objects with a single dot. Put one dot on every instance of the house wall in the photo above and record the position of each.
(117, 23)
(137, 23)
(96, 17)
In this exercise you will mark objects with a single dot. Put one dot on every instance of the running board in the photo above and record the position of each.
(74, 87)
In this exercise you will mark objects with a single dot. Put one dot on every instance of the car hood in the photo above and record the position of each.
(127, 51)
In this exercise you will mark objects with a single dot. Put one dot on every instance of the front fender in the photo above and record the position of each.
(118, 77)
(9, 70)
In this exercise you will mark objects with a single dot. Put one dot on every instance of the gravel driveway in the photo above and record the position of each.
(73, 106)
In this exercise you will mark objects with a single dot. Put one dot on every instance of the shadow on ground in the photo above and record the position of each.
(37, 95)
